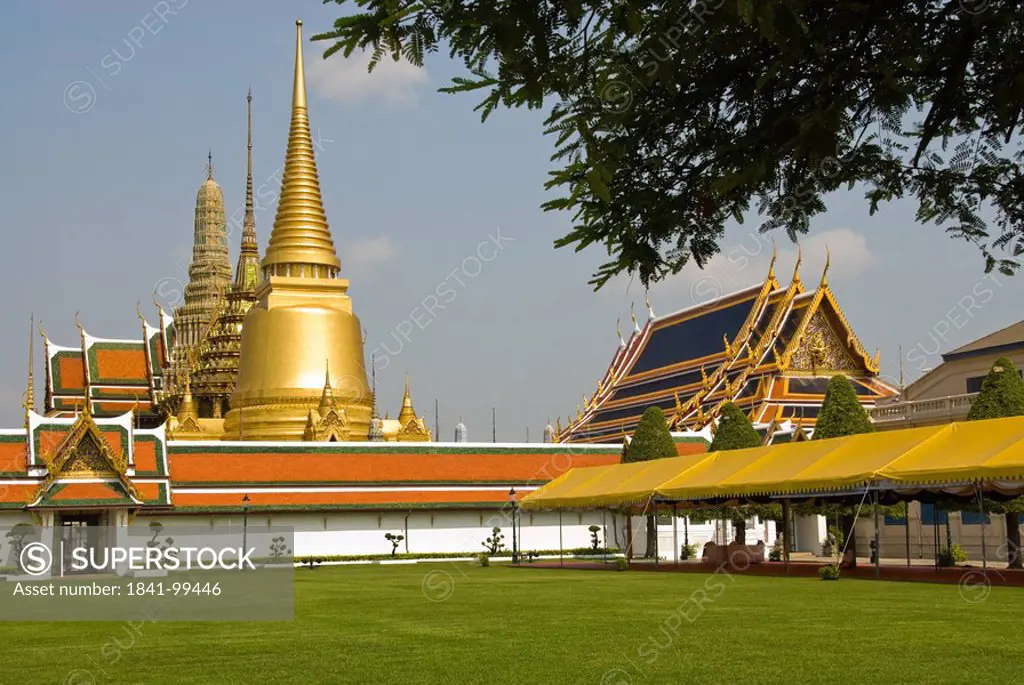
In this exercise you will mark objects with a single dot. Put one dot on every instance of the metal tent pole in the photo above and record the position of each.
(906, 522)
(981, 507)
(878, 542)
(561, 556)
(675, 535)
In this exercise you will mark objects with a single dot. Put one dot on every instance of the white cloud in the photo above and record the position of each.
(744, 262)
(348, 81)
(362, 256)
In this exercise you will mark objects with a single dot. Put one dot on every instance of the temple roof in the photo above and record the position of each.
(770, 349)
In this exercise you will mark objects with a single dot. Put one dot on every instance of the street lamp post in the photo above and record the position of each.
(515, 540)
(245, 523)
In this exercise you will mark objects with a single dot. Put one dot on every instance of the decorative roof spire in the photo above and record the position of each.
(209, 164)
(632, 315)
(30, 392)
(247, 268)
(187, 410)
(828, 263)
(618, 332)
(374, 414)
(775, 255)
(799, 260)
(647, 301)
(300, 243)
(327, 397)
(407, 413)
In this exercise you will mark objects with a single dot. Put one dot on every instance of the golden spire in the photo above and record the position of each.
(187, 410)
(327, 397)
(30, 391)
(249, 256)
(647, 301)
(799, 259)
(828, 263)
(632, 315)
(300, 243)
(775, 255)
(209, 165)
(407, 413)
(618, 332)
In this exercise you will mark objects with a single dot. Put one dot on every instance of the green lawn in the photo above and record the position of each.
(378, 624)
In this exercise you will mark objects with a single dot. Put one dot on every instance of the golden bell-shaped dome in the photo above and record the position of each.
(303, 316)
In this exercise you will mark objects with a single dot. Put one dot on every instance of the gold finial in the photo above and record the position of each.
(209, 165)
(558, 426)
(30, 391)
(728, 347)
(327, 397)
(78, 323)
(705, 381)
(618, 332)
(775, 255)
(407, 413)
(799, 260)
(679, 405)
(579, 414)
(586, 402)
(300, 243)
(138, 311)
(600, 386)
(828, 262)
(632, 315)
(647, 301)
(877, 361)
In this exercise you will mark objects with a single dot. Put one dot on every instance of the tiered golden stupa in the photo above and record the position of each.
(219, 351)
(260, 346)
(302, 322)
(209, 276)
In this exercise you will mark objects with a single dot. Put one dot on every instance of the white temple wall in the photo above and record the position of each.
(358, 533)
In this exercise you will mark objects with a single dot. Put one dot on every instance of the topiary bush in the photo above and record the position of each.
(829, 572)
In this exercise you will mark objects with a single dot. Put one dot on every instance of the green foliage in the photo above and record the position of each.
(829, 572)
(952, 556)
(484, 559)
(841, 413)
(689, 551)
(1002, 393)
(621, 564)
(652, 438)
(414, 556)
(652, 168)
(735, 431)
(595, 542)
(495, 543)
(775, 554)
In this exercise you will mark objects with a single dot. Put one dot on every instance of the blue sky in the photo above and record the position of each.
(109, 110)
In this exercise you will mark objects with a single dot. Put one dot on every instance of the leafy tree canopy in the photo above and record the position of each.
(735, 431)
(652, 439)
(672, 117)
(841, 413)
(1002, 393)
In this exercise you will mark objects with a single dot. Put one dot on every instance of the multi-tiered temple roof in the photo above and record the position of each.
(770, 349)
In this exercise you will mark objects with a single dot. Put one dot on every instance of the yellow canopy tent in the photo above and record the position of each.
(606, 486)
(966, 452)
(935, 456)
(815, 466)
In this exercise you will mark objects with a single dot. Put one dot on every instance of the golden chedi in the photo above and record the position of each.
(302, 322)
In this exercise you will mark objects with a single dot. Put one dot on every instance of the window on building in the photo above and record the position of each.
(895, 520)
(973, 518)
(974, 383)
(931, 517)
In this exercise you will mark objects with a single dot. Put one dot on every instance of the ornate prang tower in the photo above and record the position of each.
(303, 317)
(219, 352)
(209, 276)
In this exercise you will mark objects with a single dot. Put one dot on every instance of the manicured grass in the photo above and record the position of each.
(378, 624)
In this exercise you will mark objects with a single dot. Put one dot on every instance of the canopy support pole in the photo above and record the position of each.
(981, 508)
(604, 527)
(561, 555)
(906, 522)
(629, 535)
(878, 542)
(675, 535)
(653, 536)
(785, 533)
